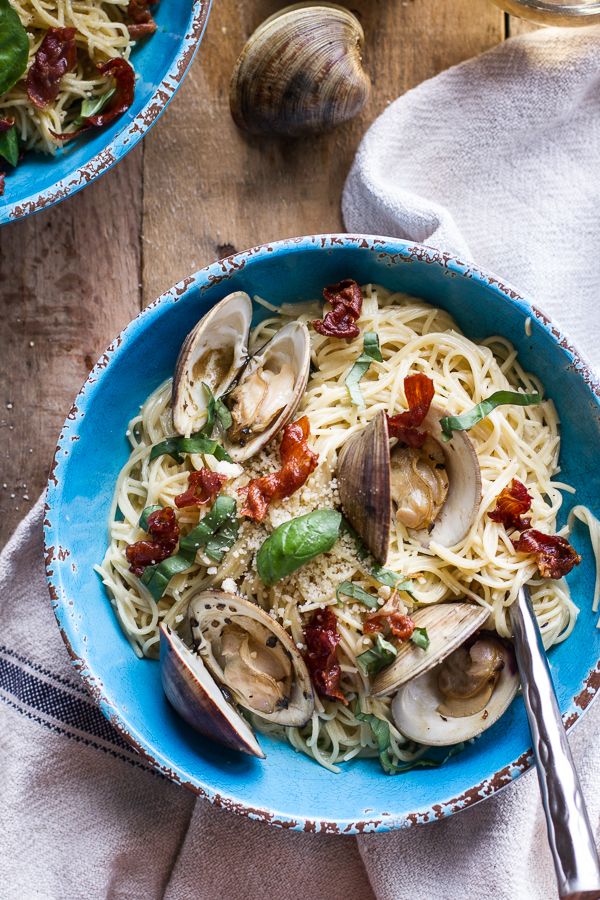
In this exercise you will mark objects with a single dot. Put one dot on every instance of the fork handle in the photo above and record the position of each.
(569, 832)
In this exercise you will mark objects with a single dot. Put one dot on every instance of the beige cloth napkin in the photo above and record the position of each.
(81, 816)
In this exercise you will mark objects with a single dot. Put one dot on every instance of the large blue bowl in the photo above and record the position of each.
(160, 62)
(288, 788)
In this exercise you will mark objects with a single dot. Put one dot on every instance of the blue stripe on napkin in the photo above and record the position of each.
(60, 705)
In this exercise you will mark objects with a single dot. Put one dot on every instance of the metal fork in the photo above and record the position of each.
(569, 831)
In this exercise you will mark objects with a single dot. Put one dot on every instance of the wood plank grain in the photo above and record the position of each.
(209, 189)
(69, 281)
(520, 26)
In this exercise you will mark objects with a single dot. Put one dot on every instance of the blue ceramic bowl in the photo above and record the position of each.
(160, 62)
(92, 448)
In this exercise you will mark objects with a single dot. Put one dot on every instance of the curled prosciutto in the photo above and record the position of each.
(346, 300)
(164, 531)
(511, 504)
(554, 555)
(419, 392)
(203, 487)
(322, 637)
(56, 55)
(140, 19)
(298, 462)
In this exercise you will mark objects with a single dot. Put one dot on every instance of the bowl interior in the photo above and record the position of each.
(159, 62)
(92, 449)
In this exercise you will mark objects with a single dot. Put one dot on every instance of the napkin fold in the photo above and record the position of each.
(497, 160)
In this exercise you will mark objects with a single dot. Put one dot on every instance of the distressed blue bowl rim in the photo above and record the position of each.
(129, 134)
(63, 606)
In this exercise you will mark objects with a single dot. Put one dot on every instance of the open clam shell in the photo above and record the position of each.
(268, 391)
(252, 656)
(364, 482)
(448, 626)
(213, 352)
(419, 709)
(193, 693)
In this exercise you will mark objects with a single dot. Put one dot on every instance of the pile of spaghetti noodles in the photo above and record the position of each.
(103, 31)
(513, 442)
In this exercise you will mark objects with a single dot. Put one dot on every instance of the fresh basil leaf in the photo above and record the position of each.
(14, 47)
(483, 409)
(362, 363)
(92, 106)
(197, 443)
(380, 655)
(207, 428)
(296, 542)
(420, 638)
(156, 578)
(9, 146)
(353, 590)
(223, 510)
(146, 513)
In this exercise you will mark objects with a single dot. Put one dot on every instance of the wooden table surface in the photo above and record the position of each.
(196, 189)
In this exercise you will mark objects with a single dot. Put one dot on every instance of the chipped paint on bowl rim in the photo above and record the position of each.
(389, 253)
(127, 131)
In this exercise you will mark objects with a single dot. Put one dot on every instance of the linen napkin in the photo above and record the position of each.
(496, 159)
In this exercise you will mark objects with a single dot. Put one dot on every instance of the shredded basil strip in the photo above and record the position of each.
(483, 409)
(223, 415)
(431, 759)
(9, 146)
(379, 573)
(92, 106)
(216, 411)
(14, 47)
(361, 365)
(197, 443)
(216, 532)
(420, 638)
(146, 513)
(296, 542)
(156, 578)
(222, 513)
(380, 655)
(357, 593)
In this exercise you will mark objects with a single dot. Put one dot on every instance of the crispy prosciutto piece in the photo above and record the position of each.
(56, 55)
(124, 77)
(346, 300)
(404, 426)
(389, 619)
(140, 19)
(203, 487)
(554, 555)
(322, 637)
(511, 503)
(164, 531)
(298, 462)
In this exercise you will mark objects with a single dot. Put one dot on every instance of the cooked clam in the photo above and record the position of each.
(192, 691)
(300, 72)
(213, 353)
(252, 657)
(435, 491)
(268, 391)
(459, 686)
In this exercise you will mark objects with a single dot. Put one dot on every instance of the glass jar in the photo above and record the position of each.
(554, 12)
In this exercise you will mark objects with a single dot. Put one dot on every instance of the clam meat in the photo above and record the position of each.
(434, 490)
(456, 688)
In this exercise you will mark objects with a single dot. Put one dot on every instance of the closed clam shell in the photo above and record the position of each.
(209, 611)
(300, 72)
(193, 693)
(448, 626)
